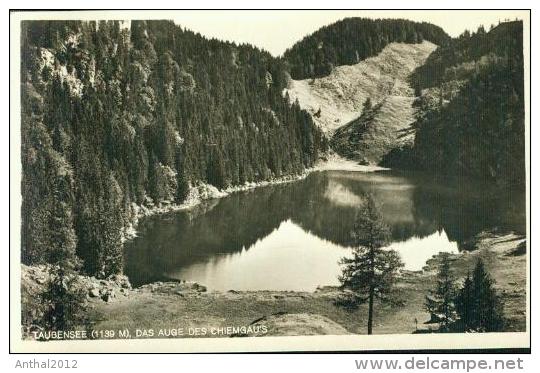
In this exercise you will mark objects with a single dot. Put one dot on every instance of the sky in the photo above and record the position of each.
(275, 31)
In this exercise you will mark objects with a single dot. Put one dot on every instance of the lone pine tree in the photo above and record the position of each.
(371, 271)
(440, 301)
(477, 303)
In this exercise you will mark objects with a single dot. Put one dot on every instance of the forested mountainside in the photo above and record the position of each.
(352, 40)
(470, 110)
(116, 114)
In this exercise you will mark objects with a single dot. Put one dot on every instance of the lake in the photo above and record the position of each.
(291, 236)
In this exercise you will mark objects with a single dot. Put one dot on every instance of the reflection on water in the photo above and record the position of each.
(291, 236)
(290, 258)
(416, 251)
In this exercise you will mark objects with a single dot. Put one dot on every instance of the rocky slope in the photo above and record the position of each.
(337, 100)
(340, 95)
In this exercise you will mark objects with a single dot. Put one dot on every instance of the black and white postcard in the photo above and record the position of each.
(197, 181)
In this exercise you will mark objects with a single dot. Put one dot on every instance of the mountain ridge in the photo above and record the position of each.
(351, 40)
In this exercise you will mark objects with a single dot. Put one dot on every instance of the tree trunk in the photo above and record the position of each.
(370, 311)
(371, 288)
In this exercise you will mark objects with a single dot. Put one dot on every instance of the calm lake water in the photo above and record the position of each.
(291, 236)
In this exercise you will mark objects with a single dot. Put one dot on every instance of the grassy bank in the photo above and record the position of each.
(189, 307)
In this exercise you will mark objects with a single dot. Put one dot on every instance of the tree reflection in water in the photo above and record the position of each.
(309, 221)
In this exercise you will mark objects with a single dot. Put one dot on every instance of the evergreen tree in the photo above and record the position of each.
(465, 303)
(367, 105)
(371, 271)
(63, 302)
(64, 299)
(440, 301)
(215, 174)
(478, 304)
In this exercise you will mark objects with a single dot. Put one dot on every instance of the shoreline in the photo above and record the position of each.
(198, 194)
(203, 192)
(113, 304)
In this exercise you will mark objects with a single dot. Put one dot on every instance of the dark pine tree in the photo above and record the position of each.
(478, 304)
(440, 301)
(371, 271)
(465, 303)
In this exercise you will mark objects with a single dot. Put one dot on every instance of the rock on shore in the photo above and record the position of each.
(282, 324)
(35, 279)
